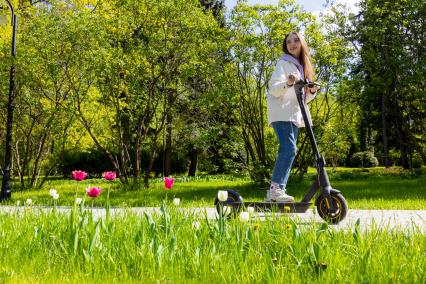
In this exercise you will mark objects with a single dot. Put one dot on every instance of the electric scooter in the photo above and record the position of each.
(330, 203)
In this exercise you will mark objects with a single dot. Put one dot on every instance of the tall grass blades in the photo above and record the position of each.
(176, 246)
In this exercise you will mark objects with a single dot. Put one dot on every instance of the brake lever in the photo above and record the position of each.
(312, 84)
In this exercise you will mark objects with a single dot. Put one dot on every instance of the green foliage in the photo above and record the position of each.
(364, 160)
(391, 43)
(93, 162)
(417, 163)
(119, 77)
(105, 76)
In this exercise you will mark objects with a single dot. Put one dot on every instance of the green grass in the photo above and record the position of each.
(73, 247)
(376, 188)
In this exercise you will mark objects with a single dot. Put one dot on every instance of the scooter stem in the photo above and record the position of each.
(319, 160)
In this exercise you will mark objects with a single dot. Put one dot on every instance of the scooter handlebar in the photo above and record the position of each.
(311, 84)
(308, 83)
(299, 85)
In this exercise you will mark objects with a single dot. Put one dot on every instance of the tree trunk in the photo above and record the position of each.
(168, 148)
(364, 134)
(384, 133)
(137, 159)
(193, 155)
(248, 147)
(150, 164)
(46, 175)
(419, 149)
(38, 155)
(21, 174)
(402, 137)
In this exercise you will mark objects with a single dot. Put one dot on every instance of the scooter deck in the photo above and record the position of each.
(282, 207)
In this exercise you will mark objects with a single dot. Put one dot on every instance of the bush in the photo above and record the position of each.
(259, 173)
(94, 162)
(417, 163)
(364, 160)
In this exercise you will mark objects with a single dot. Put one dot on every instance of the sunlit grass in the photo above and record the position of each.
(168, 247)
(378, 188)
(53, 247)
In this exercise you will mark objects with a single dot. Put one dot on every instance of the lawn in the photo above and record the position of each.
(376, 189)
(177, 247)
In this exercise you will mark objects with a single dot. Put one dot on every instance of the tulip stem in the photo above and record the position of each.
(107, 206)
(75, 188)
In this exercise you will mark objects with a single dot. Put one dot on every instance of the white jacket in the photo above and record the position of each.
(282, 101)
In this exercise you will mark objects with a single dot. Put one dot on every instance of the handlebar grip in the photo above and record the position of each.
(312, 84)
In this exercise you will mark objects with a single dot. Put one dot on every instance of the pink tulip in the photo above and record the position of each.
(168, 183)
(109, 175)
(93, 191)
(79, 175)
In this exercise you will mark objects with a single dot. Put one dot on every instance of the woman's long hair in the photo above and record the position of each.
(305, 56)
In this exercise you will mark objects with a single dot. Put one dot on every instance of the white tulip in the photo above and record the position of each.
(78, 201)
(227, 210)
(29, 202)
(176, 201)
(244, 217)
(55, 196)
(250, 210)
(52, 192)
(222, 195)
(196, 225)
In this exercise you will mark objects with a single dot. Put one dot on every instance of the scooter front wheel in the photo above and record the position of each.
(340, 208)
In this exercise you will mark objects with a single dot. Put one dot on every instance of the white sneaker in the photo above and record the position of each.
(276, 194)
(281, 196)
(273, 187)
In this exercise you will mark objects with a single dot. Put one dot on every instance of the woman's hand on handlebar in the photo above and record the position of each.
(312, 89)
(292, 78)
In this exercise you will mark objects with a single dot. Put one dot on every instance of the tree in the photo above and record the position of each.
(149, 58)
(391, 37)
(39, 98)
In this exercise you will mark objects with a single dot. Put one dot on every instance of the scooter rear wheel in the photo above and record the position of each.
(226, 209)
(340, 208)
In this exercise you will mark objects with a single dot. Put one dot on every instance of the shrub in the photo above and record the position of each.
(259, 173)
(94, 162)
(417, 163)
(364, 160)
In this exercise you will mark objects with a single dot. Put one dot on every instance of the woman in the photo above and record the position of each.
(284, 114)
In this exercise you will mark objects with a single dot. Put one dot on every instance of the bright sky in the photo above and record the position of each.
(308, 5)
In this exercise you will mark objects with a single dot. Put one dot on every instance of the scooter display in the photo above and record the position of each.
(330, 203)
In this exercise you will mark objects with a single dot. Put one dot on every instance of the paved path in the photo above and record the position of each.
(387, 219)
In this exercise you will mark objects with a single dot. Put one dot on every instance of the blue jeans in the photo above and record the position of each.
(286, 133)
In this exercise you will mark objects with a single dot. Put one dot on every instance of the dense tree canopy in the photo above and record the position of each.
(388, 76)
(163, 87)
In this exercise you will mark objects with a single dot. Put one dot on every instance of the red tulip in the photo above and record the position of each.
(168, 183)
(109, 175)
(79, 175)
(93, 191)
